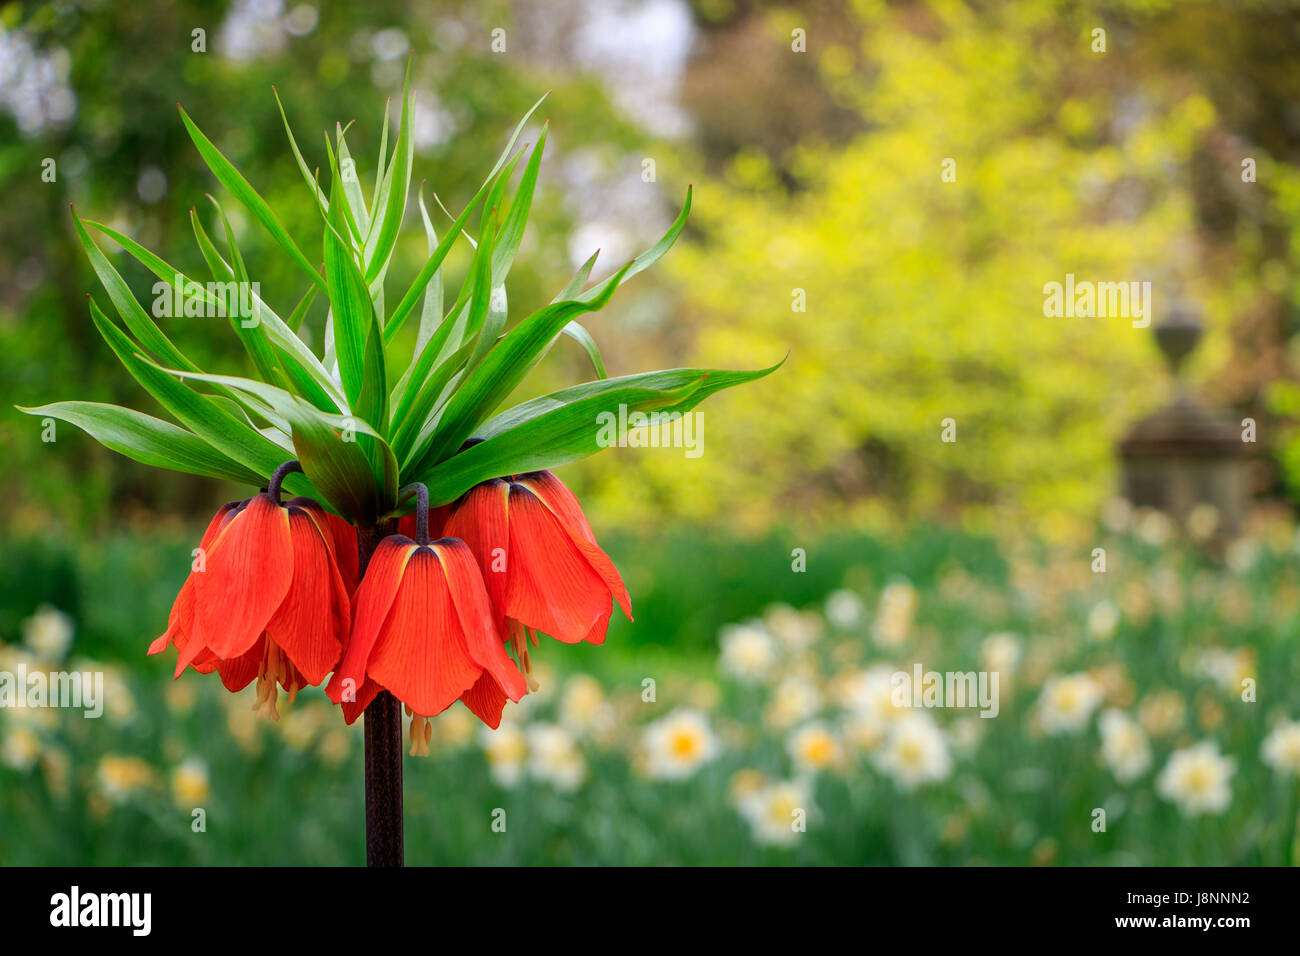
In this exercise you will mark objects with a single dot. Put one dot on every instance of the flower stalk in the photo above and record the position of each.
(383, 735)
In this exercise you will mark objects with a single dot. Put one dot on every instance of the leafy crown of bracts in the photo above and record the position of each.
(358, 434)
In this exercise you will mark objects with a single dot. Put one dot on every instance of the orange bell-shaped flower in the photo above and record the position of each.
(423, 629)
(266, 601)
(539, 557)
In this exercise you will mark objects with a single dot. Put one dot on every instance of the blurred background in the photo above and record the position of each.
(882, 190)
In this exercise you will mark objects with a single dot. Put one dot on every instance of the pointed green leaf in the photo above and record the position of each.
(285, 340)
(379, 245)
(554, 438)
(352, 186)
(413, 294)
(148, 440)
(297, 154)
(353, 312)
(142, 326)
(512, 229)
(200, 414)
(251, 335)
(503, 368)
(239, 187)
(579, 279)
(711, 380)
(579, 334)
(647, 258)
(329, 448)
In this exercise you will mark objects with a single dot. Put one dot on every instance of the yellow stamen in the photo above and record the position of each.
(421, 734)
(274, 669)
(519, 641)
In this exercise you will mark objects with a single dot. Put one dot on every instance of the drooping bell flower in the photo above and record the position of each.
(423, 630)
(540, 561)
(180, 622)
(267, 602)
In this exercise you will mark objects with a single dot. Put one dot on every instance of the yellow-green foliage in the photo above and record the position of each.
(924, 297)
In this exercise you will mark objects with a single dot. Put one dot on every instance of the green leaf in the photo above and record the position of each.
(148, 440)
(487, 311)
(416, 425)
(352, 186)
(467, 319)
(431, 266)
(253, 337)
(567, 425)
(431, 314)
(353, 315)
(200, 414)
(647, 258)
(239, 187)
(349, 227)
(712, 380)
(512, 230)
(381, 166)
(388, 220)
(579, 279)
(503, 368)
(330, 449)
(124, 301)
(579, 334)
(297, 154)
(553, 438)
(299, 312)
(416, 400)
(293, 350)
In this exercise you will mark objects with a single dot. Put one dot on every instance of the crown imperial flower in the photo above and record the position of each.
(539, 558)
(286, 593)
(268, 601)
(424, 630)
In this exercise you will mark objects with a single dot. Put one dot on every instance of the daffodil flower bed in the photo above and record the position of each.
(1125, 692)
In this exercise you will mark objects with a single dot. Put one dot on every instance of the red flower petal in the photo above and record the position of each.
(474, 612)
(238, 673)
(249, 569)
(486, 700)
(556, 495)
(597, 633)
(482, 522)
(370, 607)
(194, 651)
(352, 709)
(344, 538)
(560, 500)
(551, 585)
(421, 655)
(312, 622)
(179, 620)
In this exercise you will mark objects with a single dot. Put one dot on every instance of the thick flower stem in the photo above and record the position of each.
(383, 725)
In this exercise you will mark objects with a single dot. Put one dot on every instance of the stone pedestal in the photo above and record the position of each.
(1183, 456)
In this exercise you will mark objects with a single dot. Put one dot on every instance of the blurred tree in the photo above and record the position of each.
(924, 298)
